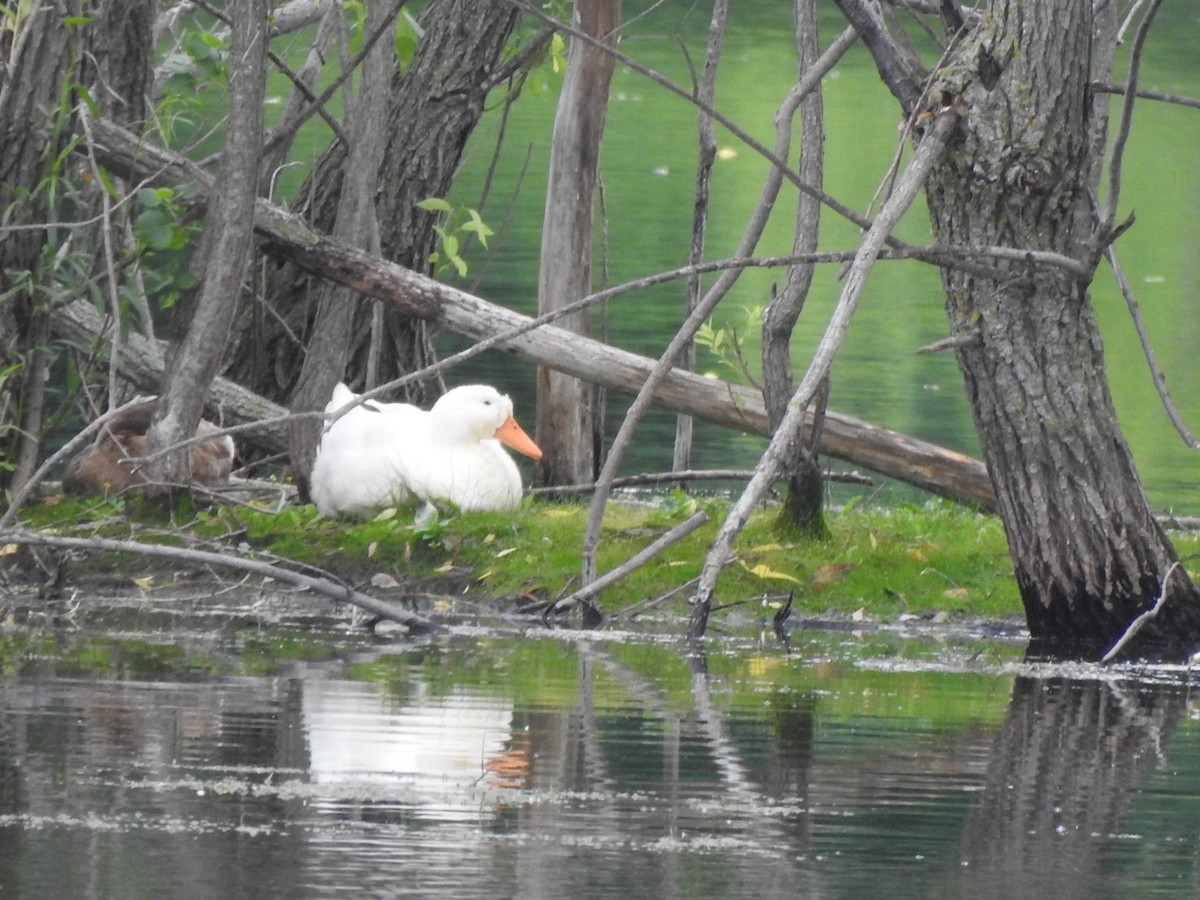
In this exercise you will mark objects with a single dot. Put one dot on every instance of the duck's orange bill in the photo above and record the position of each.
(513, 435)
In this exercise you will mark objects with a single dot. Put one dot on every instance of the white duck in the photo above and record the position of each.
(378, 454)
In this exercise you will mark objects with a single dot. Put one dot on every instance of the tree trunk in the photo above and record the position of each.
(333, 335)
(565, 405)
(433, 107)
(1088, 554)
(285, 236)
(105, 46)
(803, 505)
(196, 351)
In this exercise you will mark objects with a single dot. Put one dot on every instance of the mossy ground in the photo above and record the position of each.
(885, 562)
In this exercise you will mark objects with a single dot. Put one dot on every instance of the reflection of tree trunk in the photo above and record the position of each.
(1067, 763)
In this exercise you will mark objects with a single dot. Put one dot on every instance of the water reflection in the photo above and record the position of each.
(549, 769)
(1071, 759)
(438, 752)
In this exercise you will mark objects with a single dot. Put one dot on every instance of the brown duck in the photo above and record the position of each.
(103, 468)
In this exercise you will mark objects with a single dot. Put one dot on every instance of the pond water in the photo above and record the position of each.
(296, 762)
(648, 163)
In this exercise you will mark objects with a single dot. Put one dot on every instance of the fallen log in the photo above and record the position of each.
(287, 237)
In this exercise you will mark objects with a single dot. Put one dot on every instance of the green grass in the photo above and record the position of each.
(885, 562)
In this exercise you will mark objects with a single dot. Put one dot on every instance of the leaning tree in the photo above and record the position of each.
(1010, 128)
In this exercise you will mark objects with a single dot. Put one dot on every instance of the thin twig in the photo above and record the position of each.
(678, 476)
(1147, 94)
(1122, 137)
(705, 306)
(928, 152)
(1137, 624)
(1156, 372)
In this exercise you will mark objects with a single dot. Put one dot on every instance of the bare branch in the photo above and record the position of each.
(1145, 94)
(1156, 373)
(1137, 624)
(586, 594)
(718, 116)
(321, 586)
(900, 71)
(928, 152)
(1122, 137)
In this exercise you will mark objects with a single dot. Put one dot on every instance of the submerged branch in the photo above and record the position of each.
(324, 586)
(1137, 624)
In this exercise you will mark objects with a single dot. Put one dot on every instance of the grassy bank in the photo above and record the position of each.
(925, 559)
(885, 562)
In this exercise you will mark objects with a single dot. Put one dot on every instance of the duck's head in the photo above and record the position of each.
(479, 411)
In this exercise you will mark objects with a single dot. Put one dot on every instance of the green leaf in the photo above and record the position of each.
(156, 229)
(435, 204)
(477, 227)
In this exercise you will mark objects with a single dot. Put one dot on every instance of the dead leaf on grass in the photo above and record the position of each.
(830, 573)
(764, 571)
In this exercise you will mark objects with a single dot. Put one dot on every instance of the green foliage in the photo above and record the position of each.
(408, 36)
(730, 343)
(456, 220)
(165, 236)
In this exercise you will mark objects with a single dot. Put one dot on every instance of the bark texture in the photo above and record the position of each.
(355, 223)
(1088, 554)
(433, 106)
(566, 405)
(47, 59)
(196, 352)
(803, 504)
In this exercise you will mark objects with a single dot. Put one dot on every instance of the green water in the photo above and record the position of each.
(878, 763)
(648, 163)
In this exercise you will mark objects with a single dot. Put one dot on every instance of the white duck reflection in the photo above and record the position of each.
(437, 752)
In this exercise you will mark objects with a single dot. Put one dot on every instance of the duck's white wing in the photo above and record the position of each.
(358, 467)
(471, 475)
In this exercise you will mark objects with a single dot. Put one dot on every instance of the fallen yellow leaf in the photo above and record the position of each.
(145, 583)
(764, 571)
